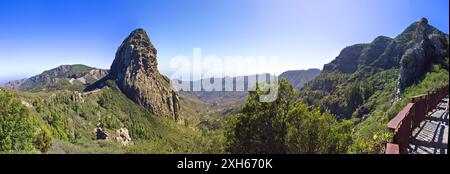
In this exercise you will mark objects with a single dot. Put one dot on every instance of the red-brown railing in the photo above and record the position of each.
(410, 118)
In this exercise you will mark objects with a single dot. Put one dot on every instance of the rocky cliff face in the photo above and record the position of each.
(427, 46)
(356, 56)
(413, 51)
(347, 84)
(136, 73)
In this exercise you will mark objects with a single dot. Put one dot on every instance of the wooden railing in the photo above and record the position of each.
(410, 118)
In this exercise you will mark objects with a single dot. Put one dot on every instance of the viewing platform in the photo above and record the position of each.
(431, 137)
(422, 126)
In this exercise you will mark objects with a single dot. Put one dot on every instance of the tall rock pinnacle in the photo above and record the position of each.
(428, 46)
(136, 73)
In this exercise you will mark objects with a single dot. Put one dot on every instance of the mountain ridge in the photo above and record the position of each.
(73, 77)
(407, 56)
(298, 78)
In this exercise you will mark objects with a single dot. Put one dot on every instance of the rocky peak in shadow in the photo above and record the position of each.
(413, 51)
(427, 46)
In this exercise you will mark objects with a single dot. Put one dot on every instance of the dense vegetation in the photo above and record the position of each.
(285, 126)
(16, 125)
(290, 126)
(371, 134)
(67, 120)
(20, 130)
(345, 95)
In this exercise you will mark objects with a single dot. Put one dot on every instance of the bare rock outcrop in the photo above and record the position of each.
(418, 47)
(136, 73)
(428, 46)
(121, 135)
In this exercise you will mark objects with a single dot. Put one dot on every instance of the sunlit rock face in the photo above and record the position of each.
(135, 71)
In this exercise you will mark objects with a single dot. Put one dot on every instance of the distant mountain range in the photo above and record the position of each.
(78, 77)
(13, 84)
(298, 78)
(71, 77)
(228, 96)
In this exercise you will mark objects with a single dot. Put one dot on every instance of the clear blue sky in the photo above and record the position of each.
(36, 35)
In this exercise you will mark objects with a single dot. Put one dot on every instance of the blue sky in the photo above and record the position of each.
(36, 35)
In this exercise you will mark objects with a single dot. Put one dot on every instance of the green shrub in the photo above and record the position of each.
(16, 125)
(284, 126)
(44, 139)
